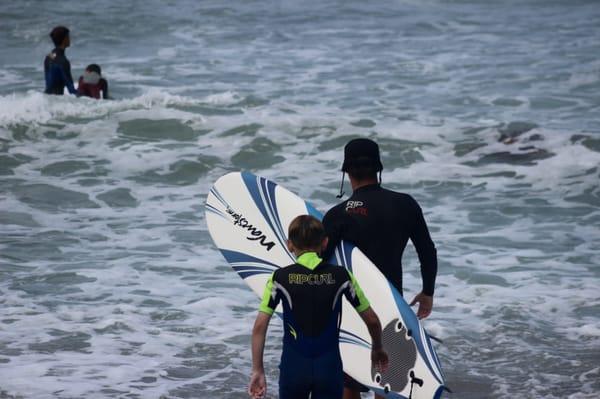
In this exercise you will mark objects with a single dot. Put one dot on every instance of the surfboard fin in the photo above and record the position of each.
(414, 380)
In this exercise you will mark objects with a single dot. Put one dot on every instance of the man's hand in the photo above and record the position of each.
(379, 359)
(258, 385)
(425, 305)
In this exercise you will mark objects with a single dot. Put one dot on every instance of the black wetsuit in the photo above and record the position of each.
(380, 222)
(57, 72)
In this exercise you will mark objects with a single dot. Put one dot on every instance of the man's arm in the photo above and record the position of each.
(68, 78)
(47, 74)
(258, 382)
(378, 356)
(332, 226)
(427, 253)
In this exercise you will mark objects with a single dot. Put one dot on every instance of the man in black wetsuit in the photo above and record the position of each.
(380, 222)
(57, 68)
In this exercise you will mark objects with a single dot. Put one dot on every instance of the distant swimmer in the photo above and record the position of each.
(57, 68)
(92, 84)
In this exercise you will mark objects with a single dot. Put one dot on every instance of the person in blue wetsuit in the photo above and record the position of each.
(310, 291)
(380, 222)
(57, 68)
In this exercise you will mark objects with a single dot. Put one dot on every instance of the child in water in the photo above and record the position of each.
(310, 291)
(92, 84)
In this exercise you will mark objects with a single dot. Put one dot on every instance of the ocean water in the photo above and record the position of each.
(486, 112)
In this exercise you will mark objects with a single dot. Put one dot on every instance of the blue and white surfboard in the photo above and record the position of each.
(248, 217)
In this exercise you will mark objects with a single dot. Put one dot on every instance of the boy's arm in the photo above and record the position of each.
(378, 356)
(359, 301)
(258, 383)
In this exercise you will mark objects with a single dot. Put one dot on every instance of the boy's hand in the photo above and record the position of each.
(379, 359)
(258, 385)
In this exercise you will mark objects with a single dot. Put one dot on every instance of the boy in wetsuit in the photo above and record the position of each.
(57, 68)
(380, 222)
(310, 291)
(92, 84)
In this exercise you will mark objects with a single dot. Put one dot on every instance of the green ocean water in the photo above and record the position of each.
(486, 113)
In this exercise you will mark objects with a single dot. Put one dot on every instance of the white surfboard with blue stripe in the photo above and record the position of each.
(248, 217)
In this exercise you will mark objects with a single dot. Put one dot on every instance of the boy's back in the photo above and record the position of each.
(310, 292)
(311, 300)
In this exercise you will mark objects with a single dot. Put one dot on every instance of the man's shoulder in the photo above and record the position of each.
(57, 57)
(398, 196)
(335, 217)
(50, 57)
(336, 209)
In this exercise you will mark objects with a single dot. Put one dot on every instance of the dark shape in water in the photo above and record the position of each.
(528, 158)
(510, 132)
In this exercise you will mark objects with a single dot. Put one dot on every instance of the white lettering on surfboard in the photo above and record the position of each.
(255, 234)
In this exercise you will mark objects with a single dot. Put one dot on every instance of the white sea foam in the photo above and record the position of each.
(37, 108)
(225, 98)
(147, 304)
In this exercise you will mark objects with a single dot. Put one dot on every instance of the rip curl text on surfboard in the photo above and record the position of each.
(255, 234)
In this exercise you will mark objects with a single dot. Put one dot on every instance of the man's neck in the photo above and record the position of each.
(356, 184)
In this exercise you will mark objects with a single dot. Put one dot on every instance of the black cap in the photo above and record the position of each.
(362, 152)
